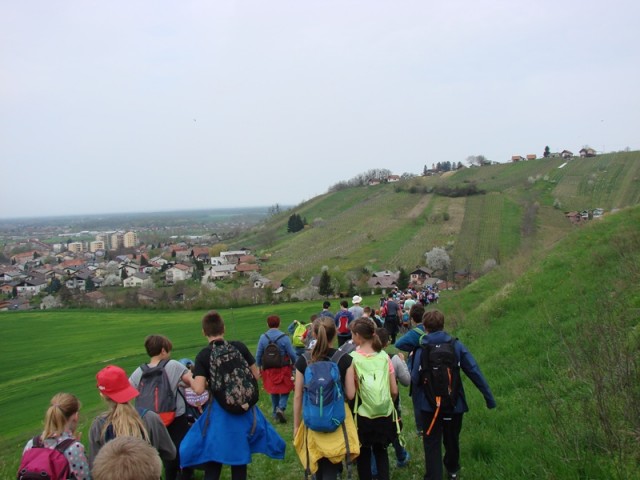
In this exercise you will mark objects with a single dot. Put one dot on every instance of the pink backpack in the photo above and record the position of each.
(44, 463)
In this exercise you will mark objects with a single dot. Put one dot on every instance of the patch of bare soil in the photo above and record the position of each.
(419, 207)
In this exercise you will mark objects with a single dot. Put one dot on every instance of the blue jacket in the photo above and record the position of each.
(284, 343)
(468, 365)
(410, 340)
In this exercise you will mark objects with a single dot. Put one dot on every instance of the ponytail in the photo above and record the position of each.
(61, 407)
(324, 329)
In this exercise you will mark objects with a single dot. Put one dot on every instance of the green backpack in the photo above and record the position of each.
(298, 333)
(373, 395)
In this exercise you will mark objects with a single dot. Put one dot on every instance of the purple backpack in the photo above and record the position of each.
(44, 463)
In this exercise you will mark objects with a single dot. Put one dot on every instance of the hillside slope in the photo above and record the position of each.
(388, 226)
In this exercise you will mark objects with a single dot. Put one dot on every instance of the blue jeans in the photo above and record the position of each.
(279, 400)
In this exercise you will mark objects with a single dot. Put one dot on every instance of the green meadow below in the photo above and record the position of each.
(558, 342)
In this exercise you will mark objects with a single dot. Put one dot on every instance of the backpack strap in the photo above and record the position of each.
(63, 445)
(36, 442)
(347, 457)
(277, 338)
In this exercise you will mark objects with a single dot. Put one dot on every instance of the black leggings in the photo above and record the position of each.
(212, 471)
(382, 462)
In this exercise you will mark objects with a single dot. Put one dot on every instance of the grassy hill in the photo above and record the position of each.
(558, 341)
(390, 225)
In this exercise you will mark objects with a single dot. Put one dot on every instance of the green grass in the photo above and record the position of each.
(540, 335)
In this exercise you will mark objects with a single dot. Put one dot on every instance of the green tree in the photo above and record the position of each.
(295, 223)
(325, 288)
(547, 152)
(89, 285)
(403, 279)
(54, 285)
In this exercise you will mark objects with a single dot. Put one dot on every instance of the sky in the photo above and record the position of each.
(136, 106)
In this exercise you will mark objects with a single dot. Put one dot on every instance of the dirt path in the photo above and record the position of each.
(419, 207)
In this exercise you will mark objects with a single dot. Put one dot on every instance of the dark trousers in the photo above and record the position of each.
(177, 430)
(212, 471)
(381, 459)
(445, 431)
(328, 470)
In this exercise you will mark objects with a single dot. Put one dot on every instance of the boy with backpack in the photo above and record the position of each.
(232, 427)
(158, 381)
(438, 397)
(343, 321)
(376, 389)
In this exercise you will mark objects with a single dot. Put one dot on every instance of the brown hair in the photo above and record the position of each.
(383, 335)
(416, 312)
(324, 328)
(127, 458)
(61, 407)
(433, 321)
(154, 344)
(273, 321)
(366, 328)
(212, 324)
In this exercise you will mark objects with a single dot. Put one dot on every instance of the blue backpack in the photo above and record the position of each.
(323, 400)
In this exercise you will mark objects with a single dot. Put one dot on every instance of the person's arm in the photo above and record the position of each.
(350, 383)
(401, 369)
(187, 378)
(79, 467)
(297, 401)
(95, 439)
(198, 385)
(159, 436)
(292, 327)
(293, 356)
(393, 383)
(260, 349)
(255, 370)
(471, 369)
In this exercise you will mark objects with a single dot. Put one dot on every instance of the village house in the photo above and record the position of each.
(517, 158)
(178, 273)
(135, 280)
(587, 152)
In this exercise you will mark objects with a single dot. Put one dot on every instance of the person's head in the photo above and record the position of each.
(433, 321)
(363, 330)
(187, 362)
(61, 415)
(344, 304)
(366, 311)
(273, 321)
(326, 305)
(383, 335)
(115, 388)
(390, 295)
(127, 458)
(312, 318)
(113, 383)
(212, 324)
(416, 313)
(356, 300)
(324, 331)
(154, 344)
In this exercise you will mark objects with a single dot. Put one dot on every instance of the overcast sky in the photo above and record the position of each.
(133, 106)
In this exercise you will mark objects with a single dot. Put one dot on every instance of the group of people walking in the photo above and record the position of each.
(362, 415)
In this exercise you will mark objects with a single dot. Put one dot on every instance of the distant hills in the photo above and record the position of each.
(502, 213)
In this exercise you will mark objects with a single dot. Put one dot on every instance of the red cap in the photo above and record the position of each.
(114, 384)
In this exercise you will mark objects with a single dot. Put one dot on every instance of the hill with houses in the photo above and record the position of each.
(365, 237)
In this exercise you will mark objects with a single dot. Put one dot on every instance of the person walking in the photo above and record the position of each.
(159, 347)
(323, 452)
(439, 427)
(277, 379)
(343, 321)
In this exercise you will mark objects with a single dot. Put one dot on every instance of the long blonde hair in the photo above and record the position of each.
(125, 421)
(61, 407)
(324, 329)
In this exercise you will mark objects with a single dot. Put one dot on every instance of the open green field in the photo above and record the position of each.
(541, 337)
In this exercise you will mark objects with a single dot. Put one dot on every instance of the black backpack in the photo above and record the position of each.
(271, 357)
(440, 376)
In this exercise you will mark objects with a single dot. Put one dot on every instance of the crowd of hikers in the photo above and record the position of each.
(183, 416)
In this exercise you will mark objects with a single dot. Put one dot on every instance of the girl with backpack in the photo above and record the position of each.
(321, 453)
(58, 438)
(376, 389)
(122, 419)
(274, 357)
